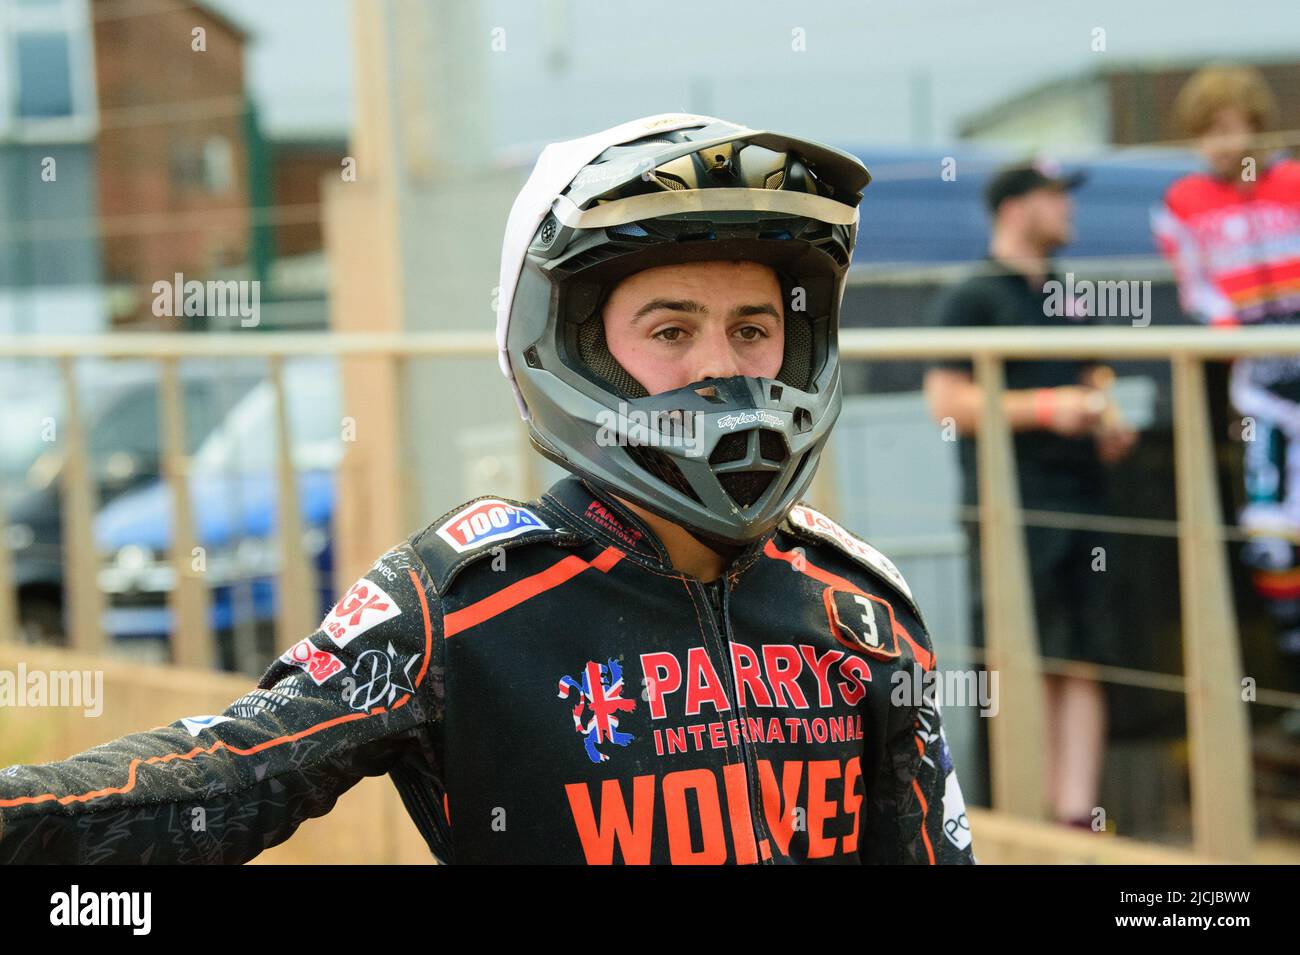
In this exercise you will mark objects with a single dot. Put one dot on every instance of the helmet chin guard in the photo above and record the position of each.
(724, 458)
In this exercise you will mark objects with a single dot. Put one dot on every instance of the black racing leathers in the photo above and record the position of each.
(543, 687)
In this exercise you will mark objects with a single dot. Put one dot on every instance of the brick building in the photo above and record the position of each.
(298, 166)
(172, 148)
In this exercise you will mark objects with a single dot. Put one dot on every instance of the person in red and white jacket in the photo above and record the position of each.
(1233, 236)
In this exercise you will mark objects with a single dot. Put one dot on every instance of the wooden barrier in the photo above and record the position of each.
(1222, 796)
(1000, 839)
(369, 824)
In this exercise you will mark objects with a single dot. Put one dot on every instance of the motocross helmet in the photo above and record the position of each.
(724, 458)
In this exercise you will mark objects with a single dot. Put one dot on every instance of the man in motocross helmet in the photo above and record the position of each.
(667, 657)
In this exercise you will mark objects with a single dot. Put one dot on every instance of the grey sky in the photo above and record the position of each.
(890, 71)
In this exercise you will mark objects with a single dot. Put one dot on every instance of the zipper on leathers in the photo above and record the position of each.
(757, 821)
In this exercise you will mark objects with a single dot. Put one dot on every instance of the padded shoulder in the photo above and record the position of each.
(810, 524)
(481, 528)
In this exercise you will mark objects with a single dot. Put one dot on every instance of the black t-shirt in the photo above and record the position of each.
(1054, 470)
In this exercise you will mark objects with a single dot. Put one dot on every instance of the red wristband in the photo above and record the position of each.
(1044, 407)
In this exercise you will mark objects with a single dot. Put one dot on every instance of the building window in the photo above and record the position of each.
(47, 82)
(218, 165)
(44, 75)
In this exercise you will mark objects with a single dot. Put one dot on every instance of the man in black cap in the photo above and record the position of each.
(1066, 430)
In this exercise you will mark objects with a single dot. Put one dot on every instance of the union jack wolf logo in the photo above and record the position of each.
(601, 690)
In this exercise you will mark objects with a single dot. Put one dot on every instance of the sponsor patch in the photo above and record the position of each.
(824, 527)
(598, 513)
(365, 605)
(955, 824)
(380, 677)
(486, 521)
(197, 724)
(319, 664)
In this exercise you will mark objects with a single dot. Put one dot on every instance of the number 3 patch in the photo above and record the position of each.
(864, 624)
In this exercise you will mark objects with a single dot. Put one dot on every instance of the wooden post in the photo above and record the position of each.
(403, 459)
(81, 559)
(1017, 741)
(296, 598)
(8, 595)
(362, 222)
(1223, 809)
(191, 639)
(821, 492)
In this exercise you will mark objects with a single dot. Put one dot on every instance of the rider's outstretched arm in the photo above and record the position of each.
(350, 700)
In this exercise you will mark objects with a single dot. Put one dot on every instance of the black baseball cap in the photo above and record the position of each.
(1012, 181)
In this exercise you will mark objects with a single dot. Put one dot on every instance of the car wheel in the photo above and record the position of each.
(40, 622)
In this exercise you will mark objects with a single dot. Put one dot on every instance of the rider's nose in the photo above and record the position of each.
(717, 359)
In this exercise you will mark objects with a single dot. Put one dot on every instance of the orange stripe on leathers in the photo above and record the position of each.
(252, 750)
(806, 567)
(526, 589)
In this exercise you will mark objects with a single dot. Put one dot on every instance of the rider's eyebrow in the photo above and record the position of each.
(692, 307)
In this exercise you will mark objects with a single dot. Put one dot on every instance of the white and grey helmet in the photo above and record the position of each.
(725, 458)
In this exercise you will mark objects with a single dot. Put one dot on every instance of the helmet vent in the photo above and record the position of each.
(731, 447)
(771, 446)
(746, 463)
(628, 228)
(796, 364)
(746, 487)
(662, 467)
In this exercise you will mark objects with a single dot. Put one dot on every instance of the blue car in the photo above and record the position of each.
(233, 491)
(121, 417)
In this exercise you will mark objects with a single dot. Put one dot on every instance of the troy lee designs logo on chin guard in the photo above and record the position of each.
(486, 521)
(732, 421)
(601, 689)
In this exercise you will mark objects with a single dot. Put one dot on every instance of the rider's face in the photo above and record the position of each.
(673, 325)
